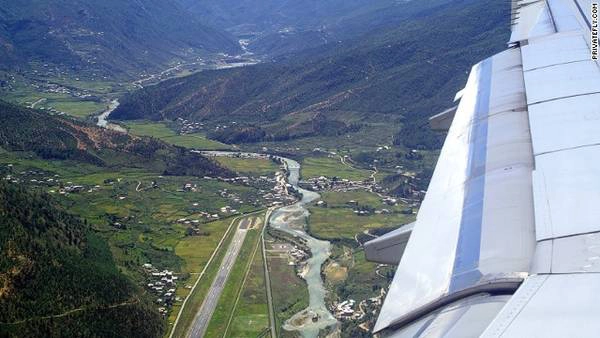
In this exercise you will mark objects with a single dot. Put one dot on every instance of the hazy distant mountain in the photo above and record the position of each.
(273, 15)
(282, 26)
(411, 71)
(111, 35)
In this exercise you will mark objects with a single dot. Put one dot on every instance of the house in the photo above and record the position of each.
(74, 189)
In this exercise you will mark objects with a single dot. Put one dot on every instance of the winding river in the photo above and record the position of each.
(292, 219)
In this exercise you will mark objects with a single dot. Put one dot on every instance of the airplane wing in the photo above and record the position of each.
(507, 240)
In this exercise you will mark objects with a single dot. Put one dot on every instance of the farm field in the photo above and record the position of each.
(139, 213)
(162, 131)
(331, 167)
(74, 107)
(250, 317)
(252, 166)
(339, 221)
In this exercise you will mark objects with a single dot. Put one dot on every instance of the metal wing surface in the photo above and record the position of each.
(507, 240)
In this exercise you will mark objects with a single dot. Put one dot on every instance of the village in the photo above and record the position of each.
(163, 285)
(348, 310)
(323, 183)
(272, 192)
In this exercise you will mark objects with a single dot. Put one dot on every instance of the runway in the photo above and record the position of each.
(203, 316)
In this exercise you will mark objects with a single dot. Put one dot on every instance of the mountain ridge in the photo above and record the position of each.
(111, 36)
(55, 138)
(411, 72)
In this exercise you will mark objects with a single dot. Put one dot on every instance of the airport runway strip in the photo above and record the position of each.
(209, 305)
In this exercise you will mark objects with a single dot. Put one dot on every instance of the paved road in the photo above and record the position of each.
(203, 316)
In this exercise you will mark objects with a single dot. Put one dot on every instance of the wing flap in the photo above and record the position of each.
(458, 244)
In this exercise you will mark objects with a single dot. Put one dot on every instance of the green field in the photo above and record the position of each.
(196, 250)
(148, 214)
(339, 221)
(163, 132)
(197, 297)
(289, 291)
(74, 107)
(341, 199)
(251, 314)
(251, 166)
(62, 102)
(331, 167)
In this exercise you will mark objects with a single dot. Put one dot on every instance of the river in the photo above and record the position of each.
(103, 118)
(292, 219)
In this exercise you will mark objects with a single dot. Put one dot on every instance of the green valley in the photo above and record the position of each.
(255, 146)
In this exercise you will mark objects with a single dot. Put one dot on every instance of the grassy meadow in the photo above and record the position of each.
(331, 167)
(249, 166)
(338, 220)
(161, 131)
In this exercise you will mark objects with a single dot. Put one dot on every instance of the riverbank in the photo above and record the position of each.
(292, 220)
(103, 118)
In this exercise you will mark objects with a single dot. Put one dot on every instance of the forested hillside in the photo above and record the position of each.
(411, 71)
(51, 137)
(58, 279)
(109, 36)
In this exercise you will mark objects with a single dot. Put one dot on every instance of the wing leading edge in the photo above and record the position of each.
(516, 179)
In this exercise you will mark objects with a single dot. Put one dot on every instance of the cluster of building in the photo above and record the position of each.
(297, 255)
(340, 185)
(189, 127)
(291, 251)
(275, 191)
(228, 210)
(7, 83)
(194, 225)
(163, 285)
(220, 127)
(187, 221)
(189, 187)
(390, 200)
(345, 309)
(41, 178)
(33, 176)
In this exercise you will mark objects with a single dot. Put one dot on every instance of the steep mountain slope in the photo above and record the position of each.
(58, 279)
(51, 137)
(412, 71)
(110, 36)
